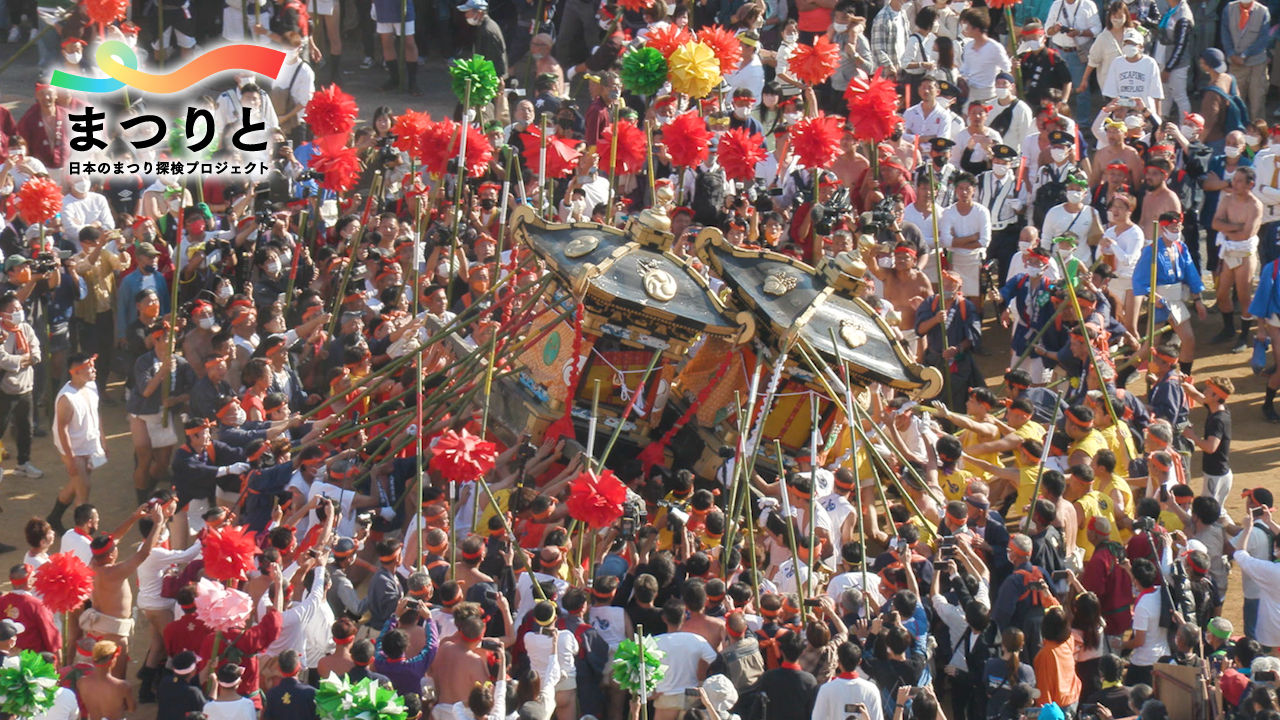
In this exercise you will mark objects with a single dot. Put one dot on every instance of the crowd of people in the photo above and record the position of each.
(294, 357)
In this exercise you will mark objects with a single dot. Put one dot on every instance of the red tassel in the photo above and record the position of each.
(813, 64)
(409, 128)
(596, 500)
(631, 148)
(726, 46)
(816, 140)
(687, 139)
(667, 38)
(331, 111)
(739, 152)
(873, 107)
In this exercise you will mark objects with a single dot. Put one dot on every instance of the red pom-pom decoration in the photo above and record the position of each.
(687, 139)
(667, 37)
(596, 500)
(630, 152)
(562, 154)
(634, 5)
(816, 140)
(462, 456)
(440, 145)
(105, 12)
(39, 199)
(331, 111)
(726, 46)
(63, 583)
(408, 129)
(873, 107)
(229, 553)
(340, 168)
(739, 152)
(813, 64)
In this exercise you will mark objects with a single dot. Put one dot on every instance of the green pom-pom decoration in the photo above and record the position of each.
(28, 685)
(178, 141)
(338, 699)
(644, 70)
(626, 665)
(482, 75)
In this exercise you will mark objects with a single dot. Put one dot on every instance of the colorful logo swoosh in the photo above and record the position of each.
(119, 62)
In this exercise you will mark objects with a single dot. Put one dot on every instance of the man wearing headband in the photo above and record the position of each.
(1166, 397)
(155, 433)
(905, 286)
(179, 691)
(102, 693)
(1177, 282)
(1114, 154)
(291, 698)
(689, 653)
(1025, 302)
(385, 589)
(1238, 222)
(77, 434)
(965, 230)
(964, 337)
(29, 611)
(111, 615)
(1216, 442)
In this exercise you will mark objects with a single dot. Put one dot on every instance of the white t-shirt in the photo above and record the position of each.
(1060, 221)
(64, 707)
(1139, 79)
(939, 123)
(1125, 246)
(74, 542)
(238, 709)
(347, 523)
(953, 224)
(1146, 617)
(683, 651)
(836, 693)
(981, 65)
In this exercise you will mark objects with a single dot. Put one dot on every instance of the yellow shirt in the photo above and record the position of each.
(968, 439)
(1120, 485)
(1171, 521)
(502, 498)
(1120, 440)
(1092, 504)
(953, 484)
(1089, 444)
(1030, 430)
(1026, 489)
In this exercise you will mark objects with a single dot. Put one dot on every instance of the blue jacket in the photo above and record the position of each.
(1266, 299)
(126, 309)
(1168, 271)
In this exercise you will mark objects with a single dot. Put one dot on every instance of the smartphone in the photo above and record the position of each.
(1265, 676)
(491, 595)
(491, 644)
(627, 528)
(947, 541)
(947, 552)
(812, 602)
(1060, 575)
(1164, 493)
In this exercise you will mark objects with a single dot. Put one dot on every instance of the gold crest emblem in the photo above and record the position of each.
(12, 612)
(780, 283)
(658, 283)
(852, 335)
(581, 245)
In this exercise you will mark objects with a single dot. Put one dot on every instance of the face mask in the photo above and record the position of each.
(792, 118)
(1066, 252)
(1172, 236)
(1030, 46)
(74, 58)
(205, 323)
(1000, 171)
(538, 56)
(1132, 51)
(80, 186)
(1035, 271)
(1003, 93)
(959, 6)
(740, 112)
(664, 119)
(17, 317)
(272, 268)
(671, 8)
(175, 204)
(238, 416)
(964, 28)
(1187, 131)
(1075, 196)
(1058, 154)
(488, 203)
(944, 102)
(475, 21)
(224, 291)
(839, 27)
(1024, 246)
(1252, 140)
(604, 24)
(1231, 152)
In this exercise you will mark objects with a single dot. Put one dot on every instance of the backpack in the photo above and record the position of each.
(1236, 113)
(1048, 195)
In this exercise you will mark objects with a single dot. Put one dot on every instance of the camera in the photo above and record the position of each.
(491, 644)
(526, 451)
(48, 261)
(880, 217)
(1145, 524)
(824, 215)
(264, 219)
(364, 520)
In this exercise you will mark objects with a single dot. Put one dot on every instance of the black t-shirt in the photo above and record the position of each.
(1043, 71)
(1218, 425)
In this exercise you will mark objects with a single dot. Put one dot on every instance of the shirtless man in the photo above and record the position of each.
(111, 616)
(1115, 151)
(470, 555)
(460, 662)
(103, 695)
(339, 661)
(1237, 221)
(710, 628)
(905, 287)
(1157, 198)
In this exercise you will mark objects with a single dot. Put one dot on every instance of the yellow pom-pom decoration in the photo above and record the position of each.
(693, 69)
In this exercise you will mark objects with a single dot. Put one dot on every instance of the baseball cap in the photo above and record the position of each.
(474, 5)
(14, 261)
(1215, 59)
(1133, 37)
(148, 249)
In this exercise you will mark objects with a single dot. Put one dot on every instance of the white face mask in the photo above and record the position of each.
(1075, 196)
(175, 204)
(1252, 140)
(1188, 131)
(17, 317)
(791, 38)
(1030, 46)
(74, 58)
(1003, 93)
(1035, 271)
(1065, 252)
(272, 268)
(1000, 171)
(476, 20)
(1132, 51)
(1172, 236)
(1231, 151)
(671, 8)
(1024, 246)
(205, 323)
(80, 186)
(839, 27)
(792, 118)
(604, 24)
(224, 292)
(1058, 154)
(741, 112)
